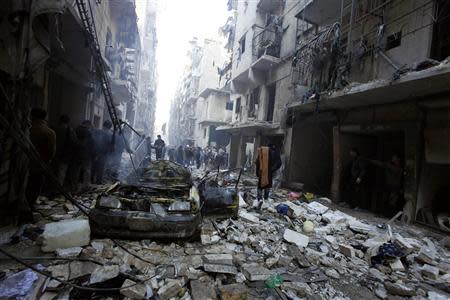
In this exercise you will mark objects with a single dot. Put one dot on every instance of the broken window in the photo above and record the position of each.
(229, 105)
(394, 40)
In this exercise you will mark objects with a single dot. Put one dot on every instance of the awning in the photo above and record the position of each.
(413, 85)
(211, 122)
(206, 92)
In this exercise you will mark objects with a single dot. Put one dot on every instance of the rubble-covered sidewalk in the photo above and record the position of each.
(293, 248)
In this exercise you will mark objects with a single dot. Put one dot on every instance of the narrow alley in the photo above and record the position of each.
(228, 149)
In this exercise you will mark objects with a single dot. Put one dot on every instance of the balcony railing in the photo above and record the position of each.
(267, 41)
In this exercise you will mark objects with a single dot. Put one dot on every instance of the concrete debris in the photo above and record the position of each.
(430, 271)
(314, 251)
(104, 273)
(399, 289)
(69, 252)
(347, 250)
(296, 238)
(65, 234)
(169, 290)
(225, 269)
(256, 273)
(133, 290)
(316, 208)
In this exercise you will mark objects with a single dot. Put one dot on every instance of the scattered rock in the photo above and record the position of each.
(233, 292)
(225, 269)
(169, 290)
(69, 252)
(430, 271)
(65, 234)
(347, 250)
(399, 289)
(104, 273)
(296, 238)
(133, 290)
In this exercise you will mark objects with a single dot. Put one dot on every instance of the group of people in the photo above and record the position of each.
(209, 157)
(358, 181)
(78, 156)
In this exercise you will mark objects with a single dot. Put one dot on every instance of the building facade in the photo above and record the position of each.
(317, 78)
(201, 102)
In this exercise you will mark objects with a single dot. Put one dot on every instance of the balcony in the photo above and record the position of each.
(270, 5)
(322, 12)
(266, 46)
(122, 91)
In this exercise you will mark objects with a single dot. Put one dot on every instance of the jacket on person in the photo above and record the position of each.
(267, 163)
(66, 140)
(44, 140)
(85, 149)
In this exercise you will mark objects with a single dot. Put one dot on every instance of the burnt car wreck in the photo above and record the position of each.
(160, 200)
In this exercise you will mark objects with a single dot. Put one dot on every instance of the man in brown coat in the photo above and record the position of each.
(43, 139)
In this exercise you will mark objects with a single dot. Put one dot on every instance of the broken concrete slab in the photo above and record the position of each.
(431, 272)
(426, 256)
(296, 238)
(248, 216)
(169, 290)
(225, 269)
(233, 292)
(65, 234)
(203, 290)
(397, 265)
(133, 290)
(399, 289)
(360, 227)
(302, 289)
(221, 259)
(316, 208)
(256, 273)
(347, 250)
(104, 273)
(69, 252)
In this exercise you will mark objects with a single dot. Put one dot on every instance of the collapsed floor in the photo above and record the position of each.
(295, 247)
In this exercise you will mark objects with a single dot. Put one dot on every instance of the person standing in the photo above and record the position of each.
(103, 150)
(65, 143)
(159, 147)
(171, 153)
(267, 163)
(180, 155)
(357, 179)
(43, 139)
(198, 157)
(84, 154)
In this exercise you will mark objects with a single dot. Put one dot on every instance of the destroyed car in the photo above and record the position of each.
(157, 202)
(160, 200)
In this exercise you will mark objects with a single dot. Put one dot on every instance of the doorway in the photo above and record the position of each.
(377, 149)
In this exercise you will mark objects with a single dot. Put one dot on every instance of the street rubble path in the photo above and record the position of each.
(292, 248)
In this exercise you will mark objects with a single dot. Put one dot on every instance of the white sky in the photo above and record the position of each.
(178, 21)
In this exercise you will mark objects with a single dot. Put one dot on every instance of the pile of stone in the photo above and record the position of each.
(307, 250)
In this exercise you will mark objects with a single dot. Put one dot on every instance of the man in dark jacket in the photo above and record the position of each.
(103, 150)
(44, 140)
(356, 182)
(65, 143)
(84, 155)
(159, 148)
(180, 155)
(267, 163)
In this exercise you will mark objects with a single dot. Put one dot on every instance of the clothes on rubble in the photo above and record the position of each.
(43, 139)
(386, 254)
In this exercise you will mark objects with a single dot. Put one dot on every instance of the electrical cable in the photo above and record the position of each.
(65, 282)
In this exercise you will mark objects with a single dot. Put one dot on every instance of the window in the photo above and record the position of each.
(253, 102)
(229, 105)
(242, 45)
(204, 132)
(394, 40)
(237, 108)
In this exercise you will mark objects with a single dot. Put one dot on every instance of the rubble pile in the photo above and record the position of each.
(290, 249)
